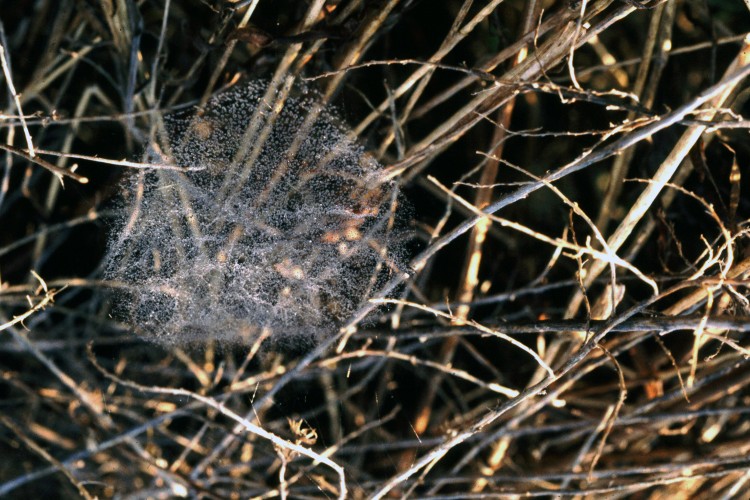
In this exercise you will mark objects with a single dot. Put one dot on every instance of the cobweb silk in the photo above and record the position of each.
(275, 221)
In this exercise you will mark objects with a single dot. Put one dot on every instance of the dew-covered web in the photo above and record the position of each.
(278, 222)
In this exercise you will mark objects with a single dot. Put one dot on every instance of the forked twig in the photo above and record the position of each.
(221, 408)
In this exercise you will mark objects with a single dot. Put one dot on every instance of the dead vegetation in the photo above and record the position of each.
(572, 319)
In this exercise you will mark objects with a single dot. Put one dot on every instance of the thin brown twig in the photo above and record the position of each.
(221, 408)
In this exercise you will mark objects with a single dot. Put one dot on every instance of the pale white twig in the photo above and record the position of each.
(12, 88)
(574, 44)
(476, 325)
(120, 163)
(714, 99)
(49, 295)
(242, 422)
(606, 257)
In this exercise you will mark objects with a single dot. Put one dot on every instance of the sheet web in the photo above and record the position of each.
(260, 228)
